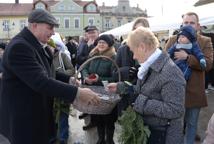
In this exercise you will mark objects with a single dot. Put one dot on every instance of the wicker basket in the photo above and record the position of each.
(108, 100)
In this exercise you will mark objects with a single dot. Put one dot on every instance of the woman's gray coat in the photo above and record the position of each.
(161, 97)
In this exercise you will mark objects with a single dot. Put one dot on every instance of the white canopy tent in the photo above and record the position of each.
(167, 23)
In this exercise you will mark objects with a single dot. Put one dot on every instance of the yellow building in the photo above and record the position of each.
(13, 18)
(73, 15)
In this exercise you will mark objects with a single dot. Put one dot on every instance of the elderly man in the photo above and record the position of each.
(28, 86)
(195, 91)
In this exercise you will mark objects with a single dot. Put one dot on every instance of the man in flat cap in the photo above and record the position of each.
(28, 85)
(91, 34)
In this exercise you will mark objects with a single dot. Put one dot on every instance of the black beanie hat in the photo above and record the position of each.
(189, 32)
(107, 38)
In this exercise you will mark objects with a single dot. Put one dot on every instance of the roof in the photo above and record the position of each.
(21, 9)
(203, 2)
(81, 3)
(15, 9)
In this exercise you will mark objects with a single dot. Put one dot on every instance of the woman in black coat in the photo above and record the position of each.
(128, 66)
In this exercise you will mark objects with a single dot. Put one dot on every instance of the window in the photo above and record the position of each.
(22, 24)
(6, 25)
(90, 21)
(61, 7)
(76, 23)
(58, 20)
(119, 22)
(129, 19)
(67, 23)
(91, 8)
(124, 8)
(107, 23)
(71, 7)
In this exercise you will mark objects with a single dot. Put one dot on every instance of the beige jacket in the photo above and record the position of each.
(195, 90)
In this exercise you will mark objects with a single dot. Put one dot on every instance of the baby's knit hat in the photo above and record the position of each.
(189, 32)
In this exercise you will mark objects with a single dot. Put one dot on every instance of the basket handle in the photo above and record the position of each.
(97, 57)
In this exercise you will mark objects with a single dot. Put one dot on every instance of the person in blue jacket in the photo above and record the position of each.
(187, 41)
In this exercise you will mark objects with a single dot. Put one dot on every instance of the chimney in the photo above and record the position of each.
(17, 1)
(103, 3)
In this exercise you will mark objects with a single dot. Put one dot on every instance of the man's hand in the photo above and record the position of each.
(90, 42)
(203, 64)
(180, 55)
(73, 81)
(112, 87)
(87, 96)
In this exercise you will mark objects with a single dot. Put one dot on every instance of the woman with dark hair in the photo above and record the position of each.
(102, 70)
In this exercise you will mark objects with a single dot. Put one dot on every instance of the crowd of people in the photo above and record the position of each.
(165, 85)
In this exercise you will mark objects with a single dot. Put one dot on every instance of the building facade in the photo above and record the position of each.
(72, 15)
(121, 14)
(13, 18)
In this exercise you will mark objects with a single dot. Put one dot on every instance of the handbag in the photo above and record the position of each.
(158, 134)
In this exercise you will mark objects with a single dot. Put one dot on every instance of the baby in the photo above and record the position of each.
(186, 40)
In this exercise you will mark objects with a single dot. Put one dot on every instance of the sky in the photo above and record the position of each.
(153, 7)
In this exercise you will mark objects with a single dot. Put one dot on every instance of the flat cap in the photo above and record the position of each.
(42, 16)
(90, 28)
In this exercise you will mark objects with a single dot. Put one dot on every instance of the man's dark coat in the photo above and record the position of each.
(28, 88)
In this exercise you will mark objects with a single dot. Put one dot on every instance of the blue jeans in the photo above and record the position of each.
(191, 121)
(64, 127)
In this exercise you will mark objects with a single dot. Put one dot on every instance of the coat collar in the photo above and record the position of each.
(28, 35)
(159, 63)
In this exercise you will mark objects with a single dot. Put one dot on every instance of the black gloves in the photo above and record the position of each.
(133, 72)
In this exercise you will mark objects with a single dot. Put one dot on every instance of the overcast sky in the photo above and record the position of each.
(154, 7)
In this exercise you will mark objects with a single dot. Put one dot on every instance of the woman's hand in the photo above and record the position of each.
(96, 79)
(92, 78)
(112, 87)
(88, 81)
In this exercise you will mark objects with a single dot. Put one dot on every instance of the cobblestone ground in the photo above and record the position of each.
(205, 115)
(79, 136)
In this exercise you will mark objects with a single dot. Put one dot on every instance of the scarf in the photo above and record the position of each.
(142, 70)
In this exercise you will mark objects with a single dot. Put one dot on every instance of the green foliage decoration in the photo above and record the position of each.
(133, 129)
